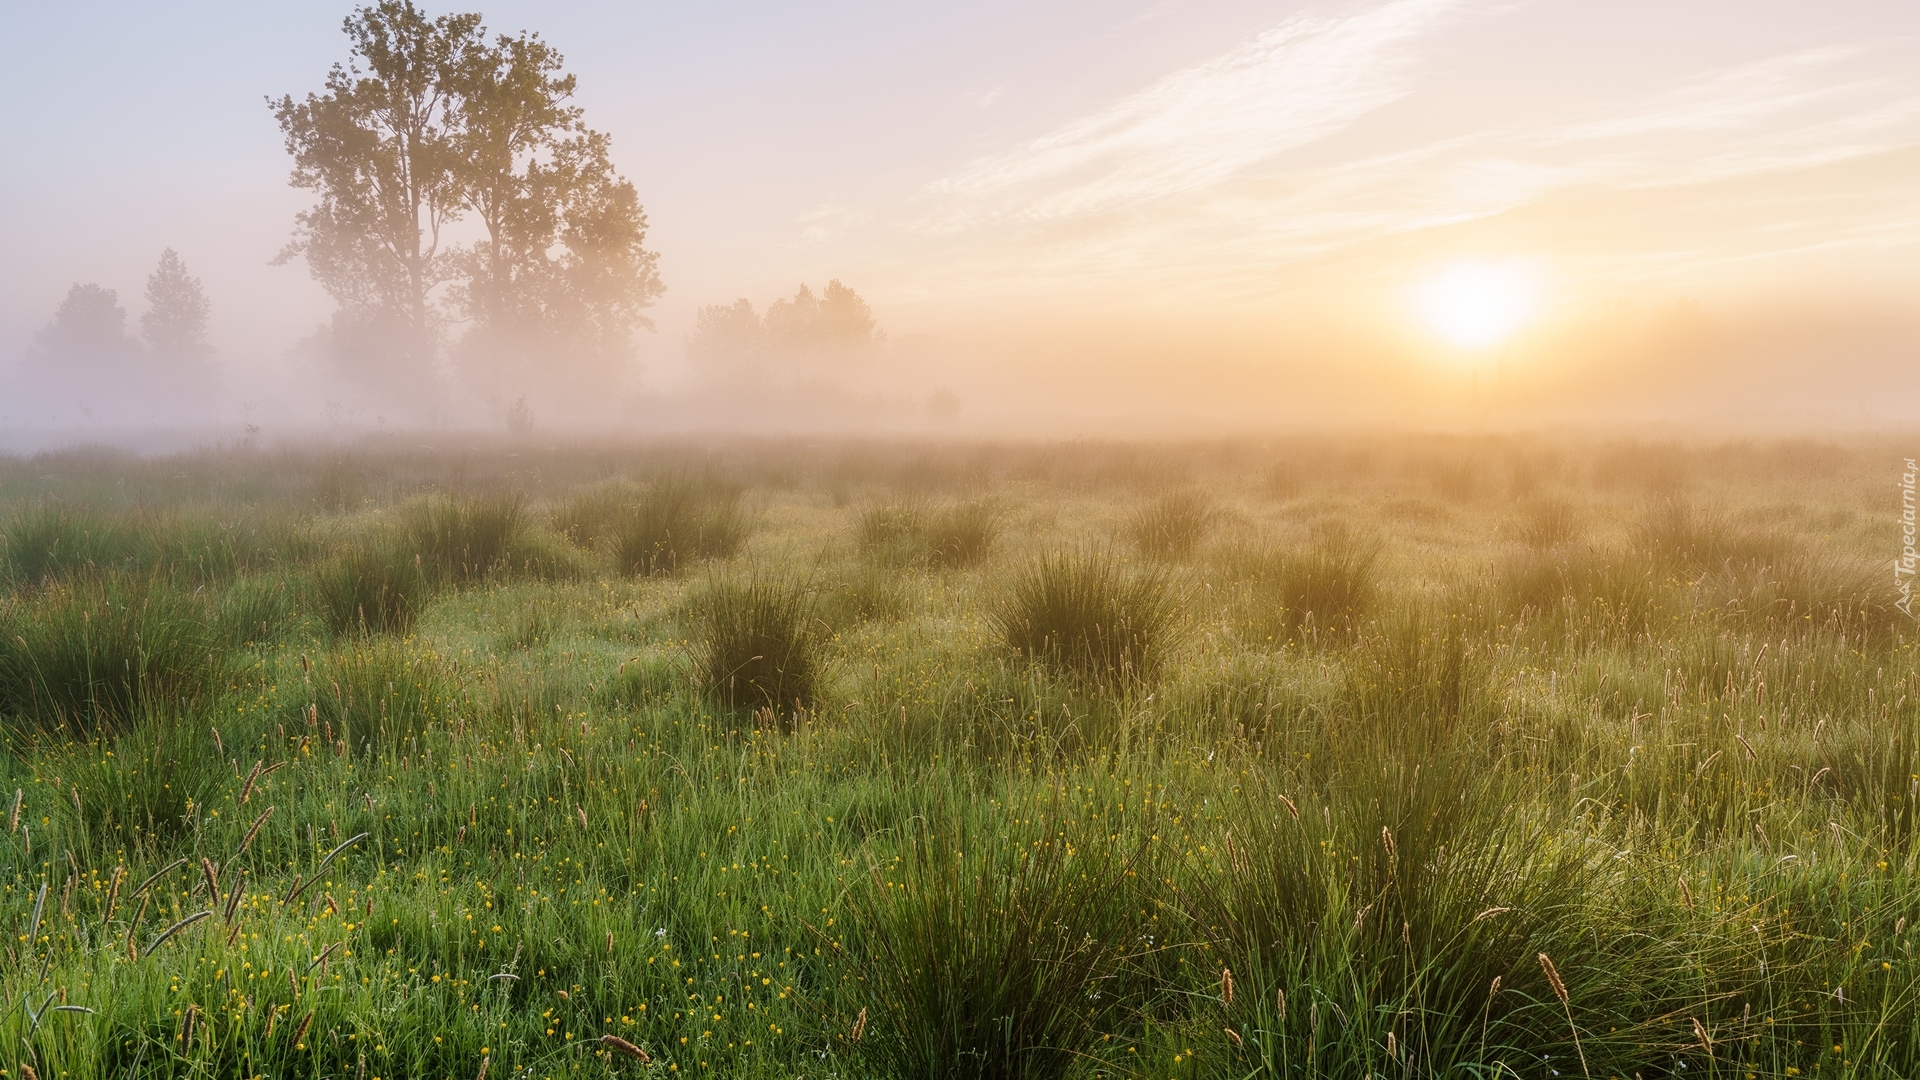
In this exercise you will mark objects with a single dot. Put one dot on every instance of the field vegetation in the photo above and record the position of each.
(1342, 758)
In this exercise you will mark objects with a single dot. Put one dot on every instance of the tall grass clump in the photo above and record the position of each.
(91, 653)
(39, 541)
(864, 593)
(1171, 526)
(659, 528)
(373, 586)
(1687, 540)
(1007, 963)
(909, 531)
(1606, 592)
(964, 534)
(1420, 942)
(1088, 615)
(754, 647)
(892, 531)
(376, 694)
(1328, 587)
(43, 540)
(1415, 680)
(1548, 523)
(254, 610)
(464, 539)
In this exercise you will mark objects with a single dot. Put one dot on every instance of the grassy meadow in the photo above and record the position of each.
(1344, 758)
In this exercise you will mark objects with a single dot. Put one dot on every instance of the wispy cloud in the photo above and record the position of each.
(1292, 85)
(1188, 176)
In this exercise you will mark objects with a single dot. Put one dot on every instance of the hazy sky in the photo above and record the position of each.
(1001, 171)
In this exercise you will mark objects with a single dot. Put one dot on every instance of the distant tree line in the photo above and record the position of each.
(432, 121)
(732, 340)
(465, 217)
(90, 327)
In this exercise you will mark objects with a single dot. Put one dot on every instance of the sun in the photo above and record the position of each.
(1476, 305)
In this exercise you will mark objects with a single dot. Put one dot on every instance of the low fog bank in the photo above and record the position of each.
(1680, 368)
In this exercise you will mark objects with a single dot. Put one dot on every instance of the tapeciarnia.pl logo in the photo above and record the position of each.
(1904, 566)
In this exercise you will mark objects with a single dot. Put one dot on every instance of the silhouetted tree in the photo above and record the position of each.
(430, 120)
(89, 324)
(380, 149)
(175, 324)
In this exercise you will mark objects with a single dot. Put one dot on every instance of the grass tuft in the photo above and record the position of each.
(1171, 526)
(754, 645)
(1089, 615)
(910, 532)
(660, 528)
(93, 653)
(1005, 964)
(373, 586)
(462, 540)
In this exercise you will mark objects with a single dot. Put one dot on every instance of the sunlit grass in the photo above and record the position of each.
(1313, 801)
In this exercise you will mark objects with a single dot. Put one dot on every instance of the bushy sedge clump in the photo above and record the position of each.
(1091, 615)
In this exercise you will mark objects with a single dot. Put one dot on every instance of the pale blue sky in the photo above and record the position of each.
(1053, 161)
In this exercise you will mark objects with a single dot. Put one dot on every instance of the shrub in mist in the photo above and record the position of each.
(1171, 526)
(374, 585)
(92, 652)
(1088, 615)
(754, 647)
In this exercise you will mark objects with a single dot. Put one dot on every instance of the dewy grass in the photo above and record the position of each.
(374, 585)
(464, 539)
(669, 524)
(93, 652)
(1687, 780)
(1327, 588)
(755, 646)
(911, 531)
(1089, 614)
(1170, 526)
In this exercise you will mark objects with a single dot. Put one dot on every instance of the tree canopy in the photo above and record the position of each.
(429, 121)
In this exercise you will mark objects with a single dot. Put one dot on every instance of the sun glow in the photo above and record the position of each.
(1476, 305)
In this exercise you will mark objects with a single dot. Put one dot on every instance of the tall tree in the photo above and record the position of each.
(380, 148)
(431, 121)
(175, 324)
(513, 112)
(563, 277)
